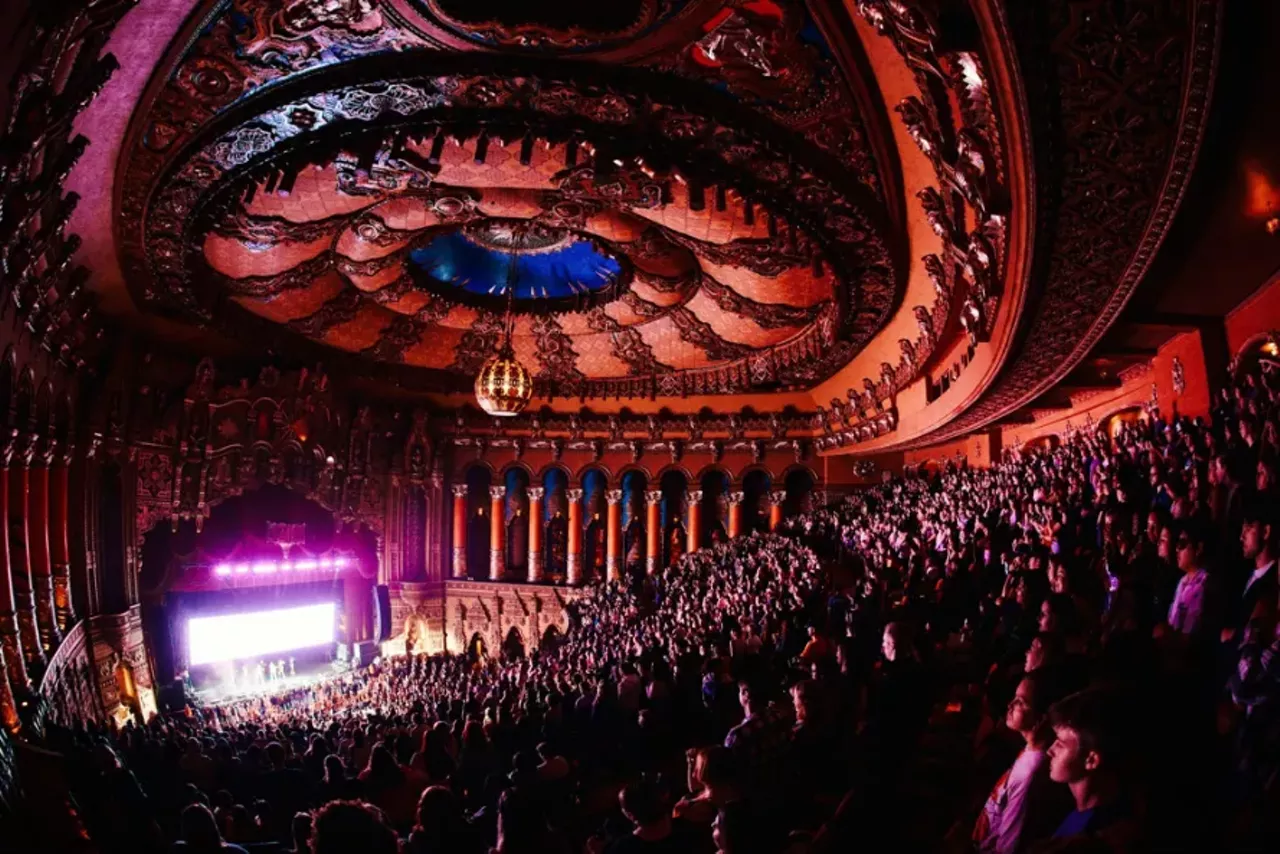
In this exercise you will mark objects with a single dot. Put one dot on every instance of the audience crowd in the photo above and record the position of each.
(1074, 649)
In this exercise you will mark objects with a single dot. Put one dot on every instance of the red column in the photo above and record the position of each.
(497, 533)
(20, 565)
(459, 530)
(535, 533)
(38, 549)
(59, 543)
(695, 520)
(613, 535)
(14, 679)
(574, 568)
(735, 514)
(653, 531)
(775, 509)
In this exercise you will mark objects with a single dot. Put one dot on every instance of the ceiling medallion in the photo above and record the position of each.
(555, 269)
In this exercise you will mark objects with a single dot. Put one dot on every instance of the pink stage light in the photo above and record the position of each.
(232, 637)
(268, 567)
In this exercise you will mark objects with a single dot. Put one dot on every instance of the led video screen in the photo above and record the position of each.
(236, 637)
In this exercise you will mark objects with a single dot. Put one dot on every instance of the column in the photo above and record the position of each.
(776, 500)
(38, 550)
(59, 542)
(497, 533)
(535, 533)
(695, 520)
(613, 535)
(653, 530)
(459, 530)
(574, 568)
(14, 664)
(735, 514)
(20, 565)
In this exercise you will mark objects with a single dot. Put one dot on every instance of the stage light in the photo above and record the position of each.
(339, 562)
(222, 569)
(237, 637)
(305, 565)
(286, 566)
(326, 563)
(264, 567)
(242, 568)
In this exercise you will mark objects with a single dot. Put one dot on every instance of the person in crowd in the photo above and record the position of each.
(200, 834)
(1087, 756)
(1197, 602)
(341, 827)
(1021, 807)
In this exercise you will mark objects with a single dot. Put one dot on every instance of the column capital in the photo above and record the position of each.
(778, 497)
(497, 493)
(613, 496)
(653, 496)
(695, 495)
(574, 495)
(536, 492)
(460, 490)
(736, 497)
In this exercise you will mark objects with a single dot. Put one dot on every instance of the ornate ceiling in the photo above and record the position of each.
(699, 207)
(893, 220)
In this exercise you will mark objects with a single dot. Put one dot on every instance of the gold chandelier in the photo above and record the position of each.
(504, 387)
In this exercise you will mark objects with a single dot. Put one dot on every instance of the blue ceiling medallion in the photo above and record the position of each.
(524, 263)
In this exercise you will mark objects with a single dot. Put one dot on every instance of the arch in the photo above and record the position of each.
(662, 473)
(477, 648)
(595, 484)
(555, 480)
(478, 479)
(517, 464)
(630, 468)
(795, 467)
(634, 482)
(1110, 424)
(751, 469)
(551, 637)
(550, 467)
(513, 644)
(579, 477)
(715, 483)
(756, 484)
(798, 483)
(515, 504)
(466, 469)
(714, 467)
(674, 482)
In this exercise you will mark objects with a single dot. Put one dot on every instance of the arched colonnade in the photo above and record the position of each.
(575, 527)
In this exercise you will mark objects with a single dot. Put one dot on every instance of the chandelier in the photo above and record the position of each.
(504, 387)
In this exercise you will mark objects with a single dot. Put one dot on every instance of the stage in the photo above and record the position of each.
(218, 688)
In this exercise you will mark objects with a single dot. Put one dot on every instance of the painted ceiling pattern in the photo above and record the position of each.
(700, 211)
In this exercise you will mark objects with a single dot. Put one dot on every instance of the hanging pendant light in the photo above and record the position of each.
(504, 386)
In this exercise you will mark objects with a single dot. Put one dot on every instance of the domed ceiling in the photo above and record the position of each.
(697, 209)
(891, 221)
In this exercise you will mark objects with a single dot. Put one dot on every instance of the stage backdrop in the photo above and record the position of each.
(237, 562)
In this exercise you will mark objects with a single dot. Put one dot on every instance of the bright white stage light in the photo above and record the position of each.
(222, 569)
(257, 633)
(305, 565)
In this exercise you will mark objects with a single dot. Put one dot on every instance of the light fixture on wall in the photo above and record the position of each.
(504, 386)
